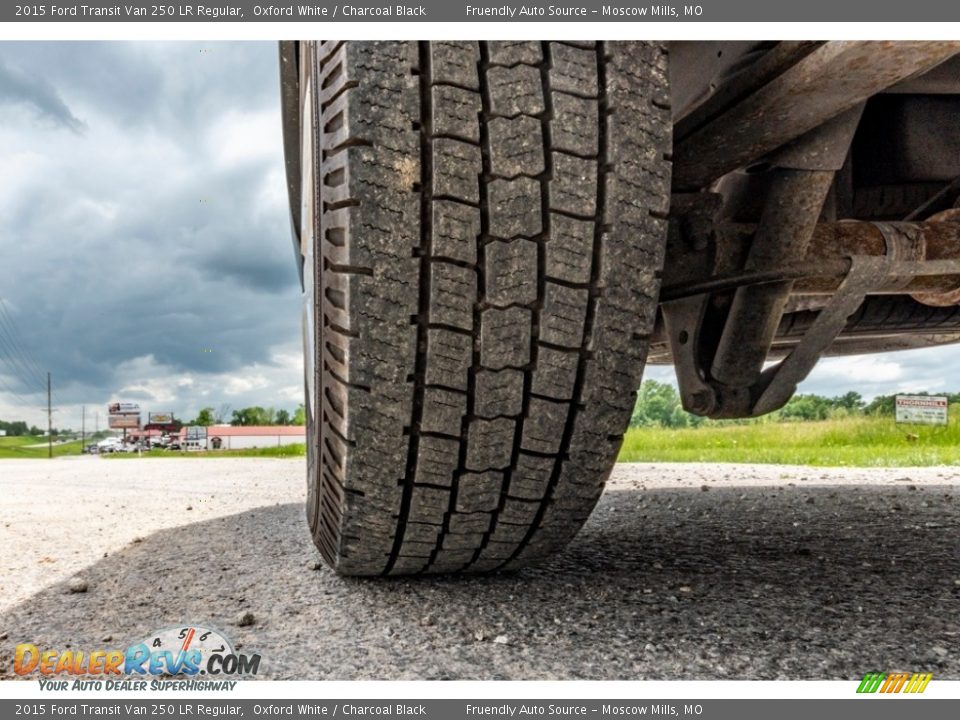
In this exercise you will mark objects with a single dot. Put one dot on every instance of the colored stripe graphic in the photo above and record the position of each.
(894, 683)
(918, 683)
(871, 682)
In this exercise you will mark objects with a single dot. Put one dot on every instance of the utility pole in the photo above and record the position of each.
(49, 420)
(83, 428)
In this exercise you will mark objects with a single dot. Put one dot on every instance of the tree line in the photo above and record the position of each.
(254, 415)
(658, 404)
(20, 428)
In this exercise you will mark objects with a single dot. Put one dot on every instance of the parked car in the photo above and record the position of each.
(109, 445)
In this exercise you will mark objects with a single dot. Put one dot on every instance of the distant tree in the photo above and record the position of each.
(282, 417)
(204, 418)
(222, 413)
(659, 404)
(299, 416)
(254, 415)
(14, 427)
(852, 401)
(806, 407)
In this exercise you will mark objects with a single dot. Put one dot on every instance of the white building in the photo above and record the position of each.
(235, 437)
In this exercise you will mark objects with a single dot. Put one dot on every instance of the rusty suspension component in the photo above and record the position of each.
(847, 260)
(926, 257)
(833, 78)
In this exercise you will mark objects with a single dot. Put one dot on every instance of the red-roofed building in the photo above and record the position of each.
(237, 437)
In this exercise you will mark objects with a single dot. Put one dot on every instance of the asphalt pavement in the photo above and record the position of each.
(715, 577)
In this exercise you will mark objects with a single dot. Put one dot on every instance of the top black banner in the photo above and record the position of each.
(487, 11)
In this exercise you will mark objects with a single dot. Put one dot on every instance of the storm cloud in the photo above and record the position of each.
(145, 250)
(144, 239)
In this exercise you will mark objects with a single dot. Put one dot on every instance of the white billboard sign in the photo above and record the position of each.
(123, 408)
(921, 409)
(124, 422)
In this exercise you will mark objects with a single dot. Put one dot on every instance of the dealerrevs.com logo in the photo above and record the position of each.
(180, 656)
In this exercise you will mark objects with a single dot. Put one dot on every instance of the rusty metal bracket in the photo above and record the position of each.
(683, 321)
(778, 383)
(846, 260)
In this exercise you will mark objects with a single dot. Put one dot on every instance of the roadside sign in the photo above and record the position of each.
(196, 432)
(160, 418)
(123, 408)
(921, 409)
(124, 422)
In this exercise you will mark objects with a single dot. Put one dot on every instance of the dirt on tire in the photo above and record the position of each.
(491, 226)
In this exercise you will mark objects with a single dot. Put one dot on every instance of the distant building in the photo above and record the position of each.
(236, 437)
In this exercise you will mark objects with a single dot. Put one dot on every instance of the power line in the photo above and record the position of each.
(26, 360)
(15, 369)
(10, 391)
(19, 359)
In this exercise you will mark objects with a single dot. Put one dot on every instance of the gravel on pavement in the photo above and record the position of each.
(683, 572)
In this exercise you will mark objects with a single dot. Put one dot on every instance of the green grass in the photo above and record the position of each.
(18, 447)
(853, 441)
(296, 450)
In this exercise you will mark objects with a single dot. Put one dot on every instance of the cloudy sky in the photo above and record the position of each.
(145, 252)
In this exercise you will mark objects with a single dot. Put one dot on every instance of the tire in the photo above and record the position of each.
(488, 226)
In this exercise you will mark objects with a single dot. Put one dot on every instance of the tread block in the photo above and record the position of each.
(489, 443)
(449, 356)
(508, 535)
(543, 429)
(462, 541)
(516, 512)
(555, 374)
(511, 52)
(449, 561)
(498, 392)
(455, 62)
(573, 188)
(516, 146)
(531, 476)
(470, 523)
(453, 291)
(408, 565)
(511, 276)
(569, 250)
(515, 208)
(455, 112)
(515, 91)
(563, 315)
(505, 337)
(456, 227)
(421, 532)
(574, 70)
(428, 505)
(575, 124)
(456, 169)
(479, 492)
(437, 460)
(414, 549)
(443, 410)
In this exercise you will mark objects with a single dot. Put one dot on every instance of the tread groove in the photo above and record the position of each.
(486, 278)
